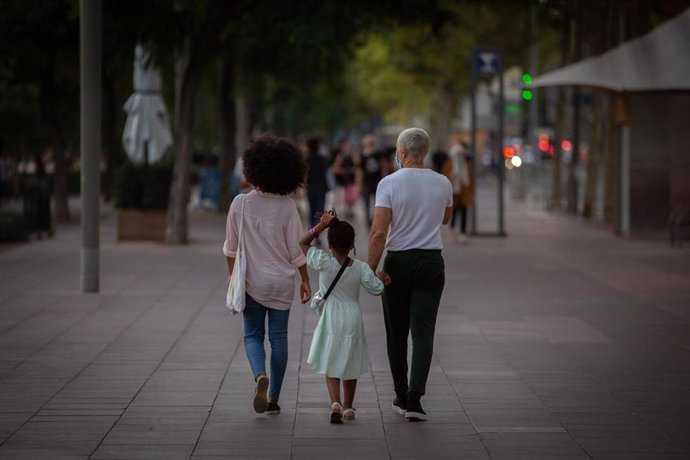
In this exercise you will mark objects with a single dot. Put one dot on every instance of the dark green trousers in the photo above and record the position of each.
(410, 304)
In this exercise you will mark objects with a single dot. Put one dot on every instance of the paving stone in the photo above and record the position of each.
(39, 454)
(437, 447)
(339, 448)
(582, 351)
(133, 435)
(531, 444)
(279, 446)
(144, 452)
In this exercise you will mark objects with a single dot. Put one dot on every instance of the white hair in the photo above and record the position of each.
(415, 141)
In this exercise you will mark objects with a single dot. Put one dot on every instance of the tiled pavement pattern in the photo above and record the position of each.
(560, 341)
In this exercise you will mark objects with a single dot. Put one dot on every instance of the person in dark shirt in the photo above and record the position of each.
(438, 161)
(317, 184)
(371, 172)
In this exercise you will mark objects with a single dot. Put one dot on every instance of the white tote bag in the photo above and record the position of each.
(236, 290)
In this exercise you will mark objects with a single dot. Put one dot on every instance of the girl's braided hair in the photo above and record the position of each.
(341, 236)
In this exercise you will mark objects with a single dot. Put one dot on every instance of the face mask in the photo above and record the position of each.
(398, 163)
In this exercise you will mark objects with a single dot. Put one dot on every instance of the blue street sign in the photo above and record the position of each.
(486, 62)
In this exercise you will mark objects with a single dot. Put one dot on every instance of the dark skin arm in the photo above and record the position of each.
(231, 264)
(307, 238)
(304, 287)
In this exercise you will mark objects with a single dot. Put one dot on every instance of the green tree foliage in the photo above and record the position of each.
(39, 74)
(407, 70)
(295, 54)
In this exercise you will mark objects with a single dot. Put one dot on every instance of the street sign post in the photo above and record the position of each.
(488, 61)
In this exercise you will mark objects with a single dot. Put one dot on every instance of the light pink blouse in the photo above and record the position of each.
(272, 228)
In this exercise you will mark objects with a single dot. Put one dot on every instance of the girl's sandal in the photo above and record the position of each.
(349, 414)
(336, 413)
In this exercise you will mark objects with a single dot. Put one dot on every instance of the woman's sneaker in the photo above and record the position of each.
(273, 408)
(414, 412)
(400, 405)
(260, 397)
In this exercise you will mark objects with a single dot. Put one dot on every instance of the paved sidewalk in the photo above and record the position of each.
(559, 341)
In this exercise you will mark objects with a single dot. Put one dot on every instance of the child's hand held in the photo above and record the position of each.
(384, 277)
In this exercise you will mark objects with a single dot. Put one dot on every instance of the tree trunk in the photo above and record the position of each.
(203, 47)
(62, 213)
(572, 186)
(242, 121)
(556, 189)
(442, 117)
(111, 138)
(610, 189)
(48, 110)
(575, 152)
(177, 228)
(226, 118)
(595, 155)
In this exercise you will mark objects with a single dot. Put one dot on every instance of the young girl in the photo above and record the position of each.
(338, 347)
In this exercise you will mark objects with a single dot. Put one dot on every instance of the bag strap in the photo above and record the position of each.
(337, 277)
(240, 240)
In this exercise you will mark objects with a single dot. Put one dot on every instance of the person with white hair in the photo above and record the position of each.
(411, 205)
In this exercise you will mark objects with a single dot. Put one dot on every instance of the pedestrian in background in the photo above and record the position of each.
(371, 173)
(272, 227)
(339, 347)
(411, 205)
(346, 168)
(440, 162)
(317, 182)
(463, 191)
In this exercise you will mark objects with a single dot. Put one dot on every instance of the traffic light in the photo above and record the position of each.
(546, 146)
(527, 93)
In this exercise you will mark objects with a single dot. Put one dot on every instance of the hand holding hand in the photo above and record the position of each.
(384, 277)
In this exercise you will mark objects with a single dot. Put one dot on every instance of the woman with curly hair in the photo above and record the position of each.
(272, 228)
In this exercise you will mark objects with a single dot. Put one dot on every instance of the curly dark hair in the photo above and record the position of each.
(341, 236)
(274, 165)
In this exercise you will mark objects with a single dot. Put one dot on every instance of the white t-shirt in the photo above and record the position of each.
(418, 198)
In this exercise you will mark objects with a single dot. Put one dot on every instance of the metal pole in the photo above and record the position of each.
(625, 180)
(501, 161)
(90, 47)
(473, 141)
(533, 104)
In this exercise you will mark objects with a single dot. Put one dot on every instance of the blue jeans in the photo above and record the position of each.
(254, 333)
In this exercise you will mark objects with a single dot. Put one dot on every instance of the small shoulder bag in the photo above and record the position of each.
(318, 301)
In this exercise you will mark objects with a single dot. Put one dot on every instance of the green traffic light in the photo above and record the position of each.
(527, 78)
(526, 95)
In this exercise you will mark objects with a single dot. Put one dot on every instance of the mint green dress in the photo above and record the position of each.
(339, 347)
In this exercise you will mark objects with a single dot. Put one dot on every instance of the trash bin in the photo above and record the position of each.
(37, 215)
(12, 227)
